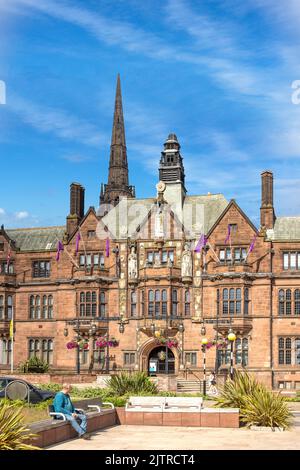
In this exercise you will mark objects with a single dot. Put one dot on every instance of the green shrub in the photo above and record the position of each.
(135, 383)
(35, 365)
(258, 406)
(13, 432)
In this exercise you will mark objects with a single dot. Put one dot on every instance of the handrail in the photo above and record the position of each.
(201, 381)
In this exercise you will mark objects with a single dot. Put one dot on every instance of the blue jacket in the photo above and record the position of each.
(60, 403)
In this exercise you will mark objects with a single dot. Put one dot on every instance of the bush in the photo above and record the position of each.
(13, 432)
(33, 365)
(135, 383)
(258, 406)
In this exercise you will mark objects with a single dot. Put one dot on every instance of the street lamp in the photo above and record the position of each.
(203, 330)
(231, 337)
(204, 342)
(181, 330)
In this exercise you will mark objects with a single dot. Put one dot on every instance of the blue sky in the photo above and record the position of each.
(218, 73)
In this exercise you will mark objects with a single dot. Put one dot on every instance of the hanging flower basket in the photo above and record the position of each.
(161, 355)
(170, 343)
(220, 344)
(82, 344)
(104, 342)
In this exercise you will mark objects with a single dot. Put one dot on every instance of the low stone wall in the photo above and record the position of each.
(52, 431)
(55, 378)
(208, 417)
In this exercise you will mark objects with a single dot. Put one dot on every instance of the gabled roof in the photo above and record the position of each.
(232, 202)
(285, 228)
(37, 239)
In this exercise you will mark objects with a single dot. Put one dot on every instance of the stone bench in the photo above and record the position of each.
(53, 431)
(183, 404)
(140, 404)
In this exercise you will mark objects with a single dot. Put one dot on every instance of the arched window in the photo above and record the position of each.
(133, 303)
(9, 307)
(284, 351)
(157, 303)
(5, 351)
(281, 301)
(187, 303)
(1, 307)
(297, 302)
(102, 304)
(245, 352)
(143, 302)
(288, 303)
(50, 306)
(174, 302)
(150, 303)
(225, 302)
(164, 299)
(297, 351)
(246, 301)
(238, 351)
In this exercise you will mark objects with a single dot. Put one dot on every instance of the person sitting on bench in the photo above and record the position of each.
(62, 404)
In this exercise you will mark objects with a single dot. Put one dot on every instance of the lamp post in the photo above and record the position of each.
(204, 342)
(231, 337)
(181, 330)
(92, 331)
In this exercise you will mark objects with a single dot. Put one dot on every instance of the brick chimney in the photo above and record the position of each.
(76, 207)
(267, 214)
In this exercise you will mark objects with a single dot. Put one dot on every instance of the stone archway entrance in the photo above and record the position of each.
(161, 360)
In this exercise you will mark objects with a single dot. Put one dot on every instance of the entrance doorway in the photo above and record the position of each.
(161, 361)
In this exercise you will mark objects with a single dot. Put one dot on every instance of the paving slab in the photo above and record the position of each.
(184, 438)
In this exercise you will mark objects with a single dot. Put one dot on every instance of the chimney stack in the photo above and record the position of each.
(267, 214)
(76, 207)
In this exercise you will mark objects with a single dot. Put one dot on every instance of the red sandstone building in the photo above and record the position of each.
(136, 281)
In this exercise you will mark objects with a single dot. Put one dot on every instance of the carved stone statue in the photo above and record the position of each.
(186, 262)
(132, 264)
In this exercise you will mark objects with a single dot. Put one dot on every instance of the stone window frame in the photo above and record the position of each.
(288, 253)
(133, 303)
(36, 348)
(288, 350)
(6, 351)
(38, 271)
(85, 265)
(160, 252)
(92, 303)
(191, 354)
(6, 306)
(240, 354)
(187, 303)
(132, 358)
(231, 250)
(288, 301)
(8, 270)
(234, 303)
(40, 306)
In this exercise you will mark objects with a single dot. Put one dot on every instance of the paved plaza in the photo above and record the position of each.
(185, 438)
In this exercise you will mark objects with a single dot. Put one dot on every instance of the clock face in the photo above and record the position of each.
(160, 186)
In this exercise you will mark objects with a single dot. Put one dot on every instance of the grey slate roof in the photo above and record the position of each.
(285, 228)
(199, 213)
(37, 239)
(212, 207)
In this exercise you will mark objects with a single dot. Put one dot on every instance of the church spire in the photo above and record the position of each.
(118, 183)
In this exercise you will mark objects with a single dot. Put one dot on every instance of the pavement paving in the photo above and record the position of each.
(132, 437)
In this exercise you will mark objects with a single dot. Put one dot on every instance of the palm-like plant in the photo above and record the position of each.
(124, 383)
(13, 433)
(258, 406)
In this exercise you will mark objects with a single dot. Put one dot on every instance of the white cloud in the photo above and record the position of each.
(76, 158)
(56, 121)
(21, 215)
(2, 211)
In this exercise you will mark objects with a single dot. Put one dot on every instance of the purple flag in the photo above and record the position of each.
(60, 247)
(228, 233)
(78, 238)
(107, 247)
(252, 244)
(201, 243)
